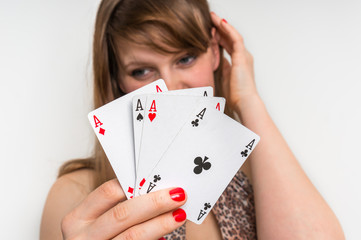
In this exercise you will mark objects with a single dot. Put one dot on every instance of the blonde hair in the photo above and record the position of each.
(166, 26)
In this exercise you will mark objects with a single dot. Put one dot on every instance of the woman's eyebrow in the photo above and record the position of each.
(136, 63)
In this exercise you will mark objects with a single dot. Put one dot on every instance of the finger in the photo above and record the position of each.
(229, 38)
(225, 28)
(222, 41)
(221, 36)
(100, 200)
(135, 211)
(156, 227)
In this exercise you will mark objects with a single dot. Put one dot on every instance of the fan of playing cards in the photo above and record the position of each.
(155, 139)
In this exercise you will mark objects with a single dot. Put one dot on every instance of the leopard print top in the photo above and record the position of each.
(234, 212)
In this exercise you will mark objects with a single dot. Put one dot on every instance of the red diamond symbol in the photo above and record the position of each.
(102, 131)
(130, 190)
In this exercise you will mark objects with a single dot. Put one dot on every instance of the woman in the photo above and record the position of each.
(137, 42)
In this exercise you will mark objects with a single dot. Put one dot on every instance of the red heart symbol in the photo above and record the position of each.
(151, 116)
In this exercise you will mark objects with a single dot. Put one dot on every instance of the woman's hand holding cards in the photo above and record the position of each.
(106, 214)
(238, 77)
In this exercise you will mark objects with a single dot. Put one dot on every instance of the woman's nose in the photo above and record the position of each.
(173, 80)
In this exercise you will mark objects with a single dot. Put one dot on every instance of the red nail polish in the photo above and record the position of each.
(179, 215)
(177, 194)
(162, 238)
(224, 20)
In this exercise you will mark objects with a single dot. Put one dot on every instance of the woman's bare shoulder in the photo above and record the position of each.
(65, 194)
(83, 179)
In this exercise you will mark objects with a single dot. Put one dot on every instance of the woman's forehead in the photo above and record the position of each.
(128, 49)
(137, 53)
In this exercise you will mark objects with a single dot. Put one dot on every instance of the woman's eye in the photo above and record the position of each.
(187, 60)
(138, 73)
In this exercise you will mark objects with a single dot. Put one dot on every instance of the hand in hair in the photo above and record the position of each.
(106, 214)
(238, 78)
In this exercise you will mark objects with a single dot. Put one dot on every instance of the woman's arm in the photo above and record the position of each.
(288, 206)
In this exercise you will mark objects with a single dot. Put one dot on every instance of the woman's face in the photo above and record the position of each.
(143, 65)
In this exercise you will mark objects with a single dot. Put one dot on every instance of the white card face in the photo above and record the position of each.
(164, 118)
(138, 112)
(113, 125)
(138, 119)
(200, 91)
(203, 159)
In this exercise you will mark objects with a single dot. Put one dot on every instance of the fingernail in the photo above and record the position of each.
(177, 194)
(224, 20)
(162, 238)
(179, 215)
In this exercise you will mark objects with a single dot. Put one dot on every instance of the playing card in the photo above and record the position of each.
(113, 125)
(164, 117)
(138, 112)
(203, 159)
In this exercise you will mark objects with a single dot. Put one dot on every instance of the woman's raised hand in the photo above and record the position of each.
(106, 214)
(238, 77)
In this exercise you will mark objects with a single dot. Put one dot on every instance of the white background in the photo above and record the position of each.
(308, 71)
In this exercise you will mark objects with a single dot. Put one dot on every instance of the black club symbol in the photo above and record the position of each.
(201, 164)
(157, 178)
(206, 206)
(244, 153)
(195, 123)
